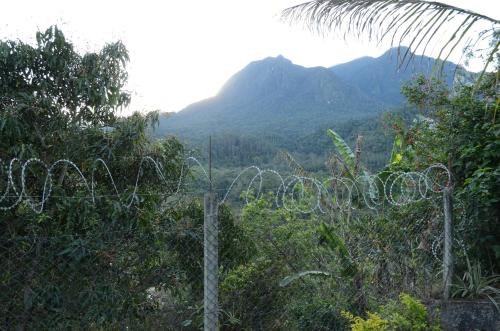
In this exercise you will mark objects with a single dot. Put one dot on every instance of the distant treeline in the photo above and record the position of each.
(230, 150)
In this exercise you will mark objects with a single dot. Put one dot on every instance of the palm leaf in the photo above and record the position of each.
(412, 22)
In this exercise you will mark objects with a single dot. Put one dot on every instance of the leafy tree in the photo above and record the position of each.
(460, 129)
(79, 263)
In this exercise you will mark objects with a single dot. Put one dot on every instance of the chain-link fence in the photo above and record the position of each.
(312, 250)
(292, 257)
(129, 279)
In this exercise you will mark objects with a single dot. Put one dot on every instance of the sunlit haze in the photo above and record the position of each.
(184, 51)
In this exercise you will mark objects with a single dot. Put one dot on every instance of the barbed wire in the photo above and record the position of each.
(22, 193)
(398, 189)
(33, 183)
(295, 193)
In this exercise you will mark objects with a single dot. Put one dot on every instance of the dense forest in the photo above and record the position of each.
(102, 215)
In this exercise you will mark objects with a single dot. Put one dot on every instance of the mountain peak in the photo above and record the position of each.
(382, 77)
(267, 74)
(275, 95)
(396, 50)
(275, 59)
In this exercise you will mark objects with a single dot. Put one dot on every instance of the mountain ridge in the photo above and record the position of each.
(383, 76)
(273, 104)
(274, 95)
(285, 93)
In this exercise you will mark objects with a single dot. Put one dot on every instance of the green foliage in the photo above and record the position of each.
(475, 285)
(460, 130)
(57, 104)
(186, 236)
(407, 314)
(284, 243)
(315, 312)
(50, 86)
(80, 264)
(425, 93)
(338, 246)
(344, 150)
(373, 323)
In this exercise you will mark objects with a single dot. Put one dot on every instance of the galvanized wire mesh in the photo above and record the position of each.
(98, 282)
(289, 259)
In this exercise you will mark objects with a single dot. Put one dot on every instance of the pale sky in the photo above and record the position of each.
(184, 51)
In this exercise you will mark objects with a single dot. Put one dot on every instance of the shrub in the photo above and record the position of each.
(406, 314)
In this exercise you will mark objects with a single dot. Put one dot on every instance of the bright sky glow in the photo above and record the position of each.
(184, 51)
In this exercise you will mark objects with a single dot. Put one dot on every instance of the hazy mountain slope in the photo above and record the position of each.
(381, 78)
(273, 104)
(273, 96)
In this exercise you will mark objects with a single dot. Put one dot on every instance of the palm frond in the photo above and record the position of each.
(414, 23)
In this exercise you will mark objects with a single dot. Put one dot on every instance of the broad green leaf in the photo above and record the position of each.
(343, 149)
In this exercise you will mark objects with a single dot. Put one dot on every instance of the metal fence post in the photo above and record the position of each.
(448, 243)
(211, 263)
